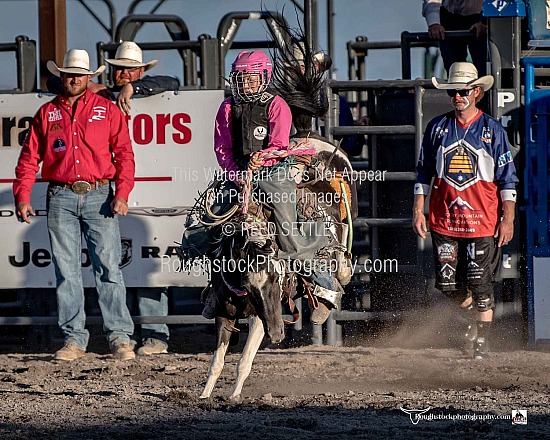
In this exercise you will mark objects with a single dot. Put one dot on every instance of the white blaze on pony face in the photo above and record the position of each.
(267, 302)
(258, 279)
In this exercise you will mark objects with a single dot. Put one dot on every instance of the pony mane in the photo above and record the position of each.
(302, 89)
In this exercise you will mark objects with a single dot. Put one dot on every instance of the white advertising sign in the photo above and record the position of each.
(172, 135)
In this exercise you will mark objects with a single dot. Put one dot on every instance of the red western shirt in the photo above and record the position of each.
(88, 143)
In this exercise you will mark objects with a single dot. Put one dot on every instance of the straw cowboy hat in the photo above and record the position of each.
(129, 55)
(75, 61)
(462, 76)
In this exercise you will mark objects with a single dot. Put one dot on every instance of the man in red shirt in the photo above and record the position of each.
(83, 143)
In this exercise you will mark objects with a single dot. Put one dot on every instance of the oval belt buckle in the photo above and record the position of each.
(81, 187)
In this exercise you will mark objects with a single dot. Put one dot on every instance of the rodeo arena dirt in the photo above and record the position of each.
(391, 366)
(358, 391)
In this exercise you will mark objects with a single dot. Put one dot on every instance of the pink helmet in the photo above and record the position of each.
(247, 63)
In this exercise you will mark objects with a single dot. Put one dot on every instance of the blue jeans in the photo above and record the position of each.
(153, 302)
(279, 187)
(69, 216)
(295, 245)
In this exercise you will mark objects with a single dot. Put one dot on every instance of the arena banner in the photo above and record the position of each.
(172, 135)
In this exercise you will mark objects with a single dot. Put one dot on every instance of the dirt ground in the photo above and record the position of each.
(303, 392)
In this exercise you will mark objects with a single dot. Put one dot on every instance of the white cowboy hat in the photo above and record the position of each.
(462, 76)
(75, 61)
(128, 54)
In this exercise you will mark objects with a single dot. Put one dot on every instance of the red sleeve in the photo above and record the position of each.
(121, 146)
(28, 162)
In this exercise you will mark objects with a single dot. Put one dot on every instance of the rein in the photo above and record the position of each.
(235, 290)
(280, 269)
(301, 148)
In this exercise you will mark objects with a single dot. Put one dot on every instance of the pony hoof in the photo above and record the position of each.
(204, 396)
(235, 399)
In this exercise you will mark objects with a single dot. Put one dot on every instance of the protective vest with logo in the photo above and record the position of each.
(250, 126)
(470, 165)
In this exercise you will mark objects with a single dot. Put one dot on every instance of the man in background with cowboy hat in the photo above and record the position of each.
(128, 71)
(472, 201)
(83, 143)
(128, 80)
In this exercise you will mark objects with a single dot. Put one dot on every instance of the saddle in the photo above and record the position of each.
(325, 188)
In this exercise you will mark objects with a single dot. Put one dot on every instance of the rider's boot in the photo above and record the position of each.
(326, 300)
(336, 249)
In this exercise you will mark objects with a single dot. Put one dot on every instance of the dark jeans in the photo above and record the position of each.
(296, 242)
(455, 50)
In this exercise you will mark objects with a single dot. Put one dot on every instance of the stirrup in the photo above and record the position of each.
(320, 314)
(331, 296)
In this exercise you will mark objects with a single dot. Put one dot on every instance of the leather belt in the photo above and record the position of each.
(82, 186)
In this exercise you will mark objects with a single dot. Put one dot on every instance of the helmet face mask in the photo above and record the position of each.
(247, 87)
(250, 76)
